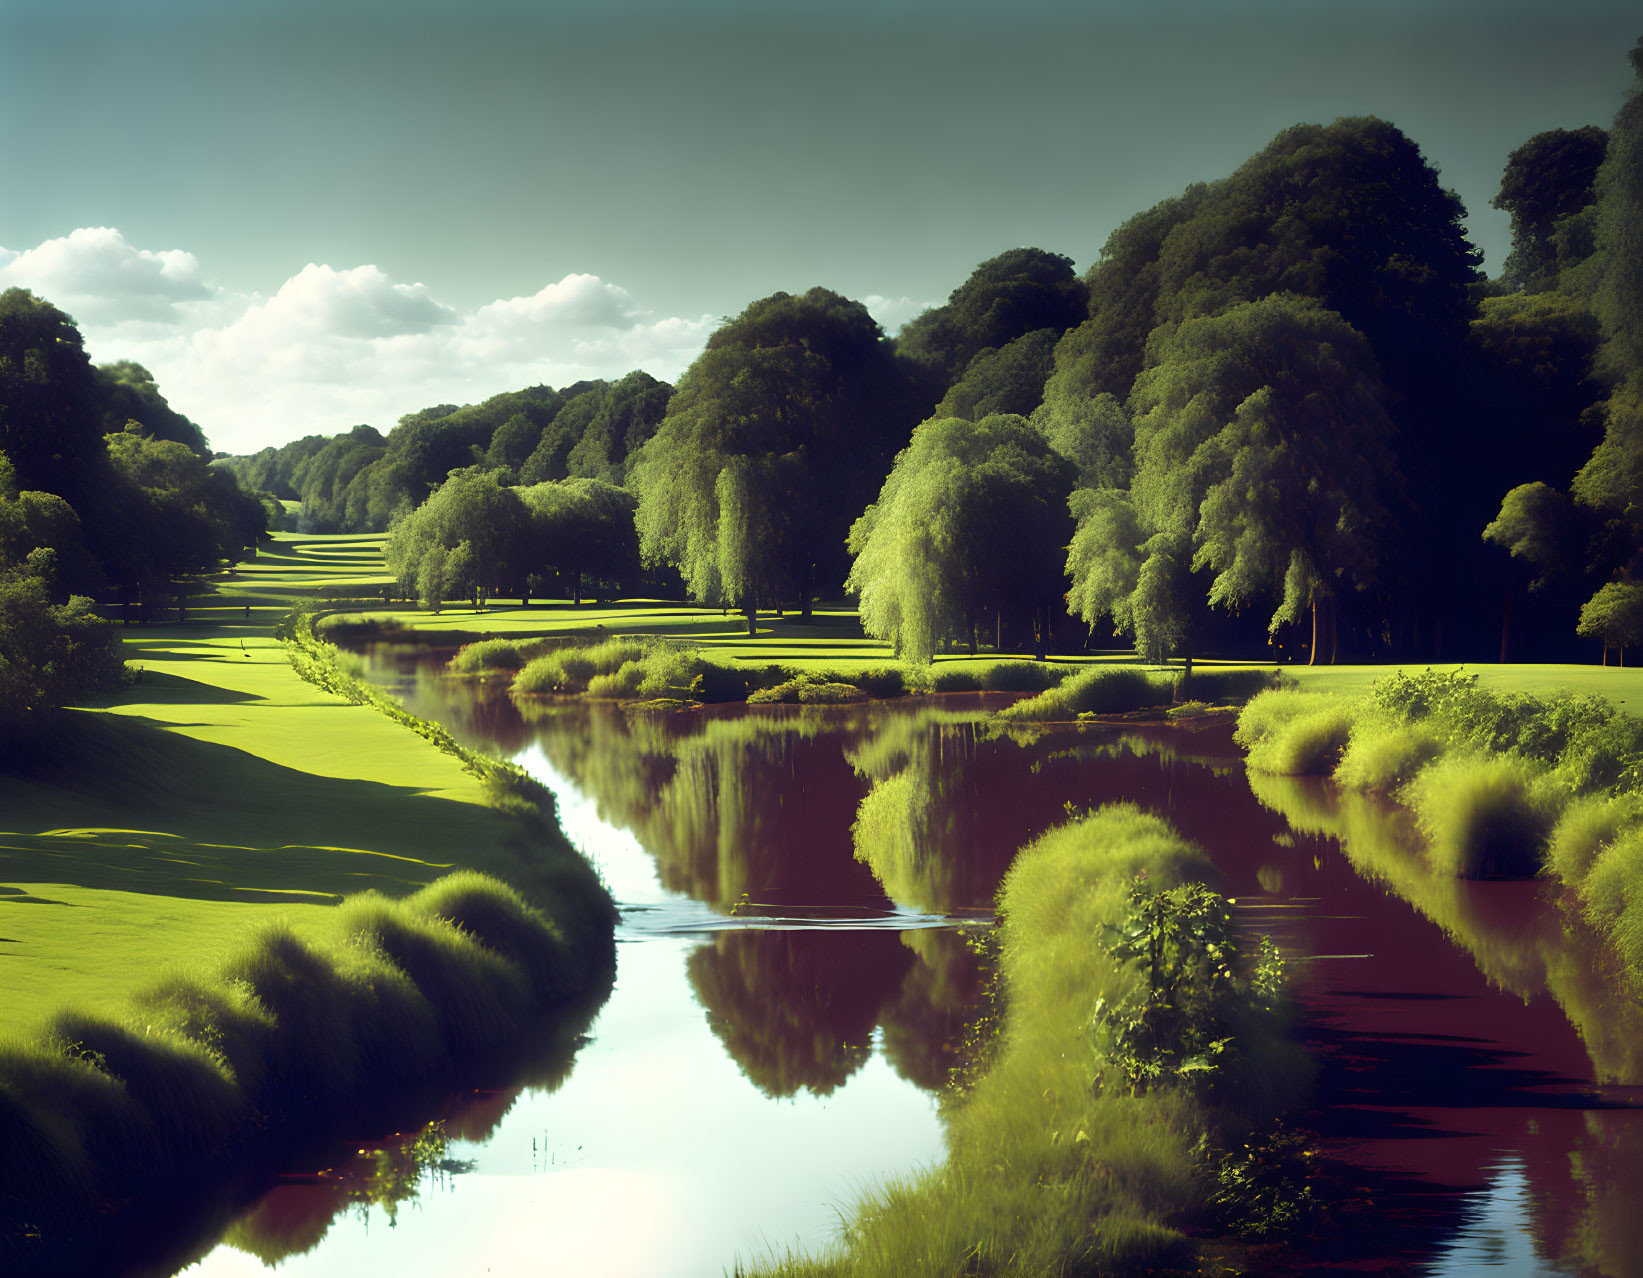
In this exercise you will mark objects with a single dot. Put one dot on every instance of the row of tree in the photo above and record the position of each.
(106, 493)
(1280, 407)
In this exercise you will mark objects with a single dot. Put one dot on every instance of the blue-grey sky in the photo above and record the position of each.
(305, 215)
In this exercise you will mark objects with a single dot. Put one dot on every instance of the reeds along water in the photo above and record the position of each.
(119, 1132)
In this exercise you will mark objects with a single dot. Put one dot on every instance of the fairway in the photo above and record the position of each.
(223, 791)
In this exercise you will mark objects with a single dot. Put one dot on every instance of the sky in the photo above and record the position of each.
(301, 216)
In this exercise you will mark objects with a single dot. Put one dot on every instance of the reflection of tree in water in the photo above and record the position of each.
(1584, 1169)
(754, 804)
(927, 1023)
(955, 795)
(797, 1009)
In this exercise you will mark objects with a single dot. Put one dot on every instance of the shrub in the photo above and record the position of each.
(1587, 826)
(626, 681)
(488, 654)
(807, 689)
(1613, 896)
(954, 678)
(1383, 756)
(1483, 818)
(1095, 690)
(1022, 676)
(882, 682)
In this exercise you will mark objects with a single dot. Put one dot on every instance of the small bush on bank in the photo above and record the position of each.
(1587, 826)
(1612, 892)
(488, 654)
(952, 678)
(1096, 690)
(1290, 733)
(1483, 818)
(1022, 676)
(1383, 756)
(808, 690)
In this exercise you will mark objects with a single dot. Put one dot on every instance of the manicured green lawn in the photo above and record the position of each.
(222, 791)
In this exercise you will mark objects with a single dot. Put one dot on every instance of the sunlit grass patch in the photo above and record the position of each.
(1483, 818)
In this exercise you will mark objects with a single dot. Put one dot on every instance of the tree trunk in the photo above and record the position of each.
(1312, 656)
(1334, 630)
(975, 636)
(750, 610)
(998, 628)
(1041, 632)
(807, 582)
(576, 585)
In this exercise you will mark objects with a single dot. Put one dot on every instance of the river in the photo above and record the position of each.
(791, 996)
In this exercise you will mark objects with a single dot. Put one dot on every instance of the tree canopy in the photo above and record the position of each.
(971, 518)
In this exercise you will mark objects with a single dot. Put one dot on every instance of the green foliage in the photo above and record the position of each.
(952, 678)
(1018, 293)
(775, 440)
(808, 689)
(1260, 1188)
(971, 517)
(1178, 1021)
(50, 653)
(1612, 892)
(1587, 826)
(1614, 615)
(1291, 733)
(1023, 676)
(1483, 818)
(1007, 379)
(578, 527)
(465, 537)
(488, 654)
(1095, 690)
(1384, 756)
(1549, 178)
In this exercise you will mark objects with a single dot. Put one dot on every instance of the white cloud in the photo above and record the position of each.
(893, 312)
(331, 348)
(100, 279)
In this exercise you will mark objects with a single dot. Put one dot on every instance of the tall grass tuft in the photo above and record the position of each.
(1613, 895)
(1096, 690)
(1483, 818)
(1587, 826)
(1047, 1173)
(488, 654)
(1223, 685)
(1290, 733)
(1382, 755)
(216, 1076)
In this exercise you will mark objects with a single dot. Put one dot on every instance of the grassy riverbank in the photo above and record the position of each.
(1056, 1163)
(168, 869)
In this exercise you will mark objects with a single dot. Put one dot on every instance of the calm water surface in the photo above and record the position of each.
(791, 994)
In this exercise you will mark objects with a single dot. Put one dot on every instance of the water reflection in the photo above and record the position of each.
(781, 1029)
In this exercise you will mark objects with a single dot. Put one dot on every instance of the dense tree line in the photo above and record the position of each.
(359, 481)
(106, 493)
(1280, 407)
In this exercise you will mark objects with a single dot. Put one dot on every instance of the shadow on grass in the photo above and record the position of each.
(118, 803)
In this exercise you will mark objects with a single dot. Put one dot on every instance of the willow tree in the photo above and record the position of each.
(972, 518)
(464, 539)
(1262, 468)
(774, 441)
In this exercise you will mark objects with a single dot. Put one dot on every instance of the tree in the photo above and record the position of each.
(49, 399)
(1614, 615)
(1549, 178)
(129, 393)
(1006, 297)
(973, 517)
(774, 441)
(580, 527)
(466, 537)
(50, 653)
(1006, 379)
(1260, 458)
